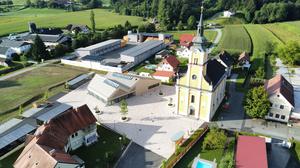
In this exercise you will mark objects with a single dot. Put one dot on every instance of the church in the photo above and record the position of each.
(201, 90)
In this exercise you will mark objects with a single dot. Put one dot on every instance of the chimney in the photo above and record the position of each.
(52, 152)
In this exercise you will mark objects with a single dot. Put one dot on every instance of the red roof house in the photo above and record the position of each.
(170, 63)
(251, 152)
(186, 40)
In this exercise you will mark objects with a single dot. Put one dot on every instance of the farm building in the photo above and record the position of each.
(52, 141)
(75, 28)
(281, 96)
(13, 133)
(49, 39)
(99, 48)
(116, 86)
(10, 47)
(142, 52)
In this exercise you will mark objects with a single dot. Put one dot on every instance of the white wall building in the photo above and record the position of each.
(183, 52)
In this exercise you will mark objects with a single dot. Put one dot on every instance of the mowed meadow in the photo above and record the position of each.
(18, 21)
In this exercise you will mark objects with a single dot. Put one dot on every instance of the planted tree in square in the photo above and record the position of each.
(257, 104)
(123, 109)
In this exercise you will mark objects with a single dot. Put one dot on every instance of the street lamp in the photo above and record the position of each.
(120, 139)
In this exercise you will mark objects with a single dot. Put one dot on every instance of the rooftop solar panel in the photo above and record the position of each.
(54, 112)
(9, 124)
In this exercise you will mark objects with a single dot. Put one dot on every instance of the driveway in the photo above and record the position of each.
(152, 122)
(217, 39)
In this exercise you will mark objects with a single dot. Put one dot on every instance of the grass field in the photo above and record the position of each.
(285, 31)
(235, 39)
(210, 35)
(18, 21)
(9, 161)
(260, 37)
(21, 88)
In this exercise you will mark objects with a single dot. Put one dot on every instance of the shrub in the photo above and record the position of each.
(215, 139)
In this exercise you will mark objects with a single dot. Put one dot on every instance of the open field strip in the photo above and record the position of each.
(18, 21)
(284, 31)
(235, 39)
(260, 37)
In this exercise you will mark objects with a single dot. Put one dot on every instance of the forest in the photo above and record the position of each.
(170, 13)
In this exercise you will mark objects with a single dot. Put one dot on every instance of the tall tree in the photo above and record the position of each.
(191, 22)
(256, 103)
(92, 19)
(38, 50)
(164, 14)
(154, 7)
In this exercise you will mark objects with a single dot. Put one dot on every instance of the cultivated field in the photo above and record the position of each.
(288, 31)
(18, 21)
(21, 88)
(235, 39)
(260, 37)
(210, 35)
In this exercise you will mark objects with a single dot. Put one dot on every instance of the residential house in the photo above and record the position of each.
(226, 60)
(202, 89)
(50, 144)
(142, 37)
(251, 151)
(11, 47)
(183, 52)
(228, 14)
(166, 70)
(281, 96)
(49, 39)
(186, 40)
(76, 28)
(244, 60)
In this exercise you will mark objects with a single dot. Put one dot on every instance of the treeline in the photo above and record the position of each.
(172, 12)
(8, 2)
(64, 4)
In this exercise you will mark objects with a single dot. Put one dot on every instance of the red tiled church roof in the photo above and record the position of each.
(279, 85)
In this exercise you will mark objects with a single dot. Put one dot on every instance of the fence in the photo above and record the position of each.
(174, 161)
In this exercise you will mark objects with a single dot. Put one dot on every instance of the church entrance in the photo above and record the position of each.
(192, 111)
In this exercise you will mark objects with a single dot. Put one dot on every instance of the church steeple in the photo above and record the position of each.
(199, 40)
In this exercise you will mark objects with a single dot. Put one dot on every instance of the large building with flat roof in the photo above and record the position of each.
(99, 48)
(142, 52)
(114, 87)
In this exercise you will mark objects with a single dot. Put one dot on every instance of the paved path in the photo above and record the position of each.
(217, 39)
(138, 157)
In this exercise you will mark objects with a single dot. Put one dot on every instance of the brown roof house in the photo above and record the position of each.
(244, 60)
(50, 144)
(166, 69)
(281, 96)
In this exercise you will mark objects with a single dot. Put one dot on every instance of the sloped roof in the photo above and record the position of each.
(164, 73)
(279, 85)
(226, 58)
(53, 136)
(172, 60)
(251, 152)
(214, 72)
(12, 43)
(3, 50)
(244, 56)
(186, 38)
(48, 38)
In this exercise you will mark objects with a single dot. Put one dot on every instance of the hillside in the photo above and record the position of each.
(18, 21)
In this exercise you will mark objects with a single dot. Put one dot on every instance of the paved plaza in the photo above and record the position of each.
(152, 122)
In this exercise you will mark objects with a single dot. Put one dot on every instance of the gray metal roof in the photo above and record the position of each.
(15, 134)
(9, 124)
(3, 50)
(12, 43)
(142, 48)
(53, 112)
(31, 112)
(79, 78)
(102, 44)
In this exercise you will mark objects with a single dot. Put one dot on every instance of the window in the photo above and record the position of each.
(282, 117)
(281, 106)
(271, 104)
(271, 114)
(193, 99)
(73, 136)
(194, 77)
(277, 116)
(195, 60)
(76, 134)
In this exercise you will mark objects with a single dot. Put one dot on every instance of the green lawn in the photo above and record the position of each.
(235, 39)
(260, 37)
(226, 21)
(18, 21)
(95, 155)
(297, 149)
(284, 31)
(8, 161)
(210, 35)
(19, 89)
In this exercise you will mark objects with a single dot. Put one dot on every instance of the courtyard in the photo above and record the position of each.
(152, 121)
